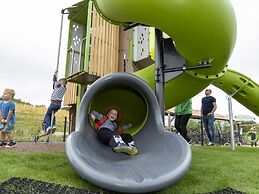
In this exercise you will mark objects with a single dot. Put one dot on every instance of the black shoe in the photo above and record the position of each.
(47, 141)
(3, 143)
(11, 144)
(36, 138)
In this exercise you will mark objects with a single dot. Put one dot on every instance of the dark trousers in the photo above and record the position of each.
(54, 106)
(105, 135)
(181, 123)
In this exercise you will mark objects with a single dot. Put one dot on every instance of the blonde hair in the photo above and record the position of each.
(10, 91)
(63, 80)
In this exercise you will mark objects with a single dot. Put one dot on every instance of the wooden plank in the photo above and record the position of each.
(92, 45)
(107, 49)
(102, 63)
(70, 95)
(106, 57)
(117, 48)
(99, 45)
(110, 49)
(97, 26)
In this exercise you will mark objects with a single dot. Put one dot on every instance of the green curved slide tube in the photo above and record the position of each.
(201, 30)
(243, 89)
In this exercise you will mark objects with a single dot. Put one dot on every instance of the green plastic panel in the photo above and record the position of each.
(243, 89)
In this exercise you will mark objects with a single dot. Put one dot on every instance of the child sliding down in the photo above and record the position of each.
(109, 133)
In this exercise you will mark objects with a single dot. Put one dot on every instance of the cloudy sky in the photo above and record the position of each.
(29, 45)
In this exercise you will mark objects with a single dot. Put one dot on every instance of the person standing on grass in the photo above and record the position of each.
(183, 113)
(59, 90)
(7, 118)
(253, 136)
(208, 107)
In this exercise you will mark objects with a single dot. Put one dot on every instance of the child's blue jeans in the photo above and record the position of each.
(54, 106)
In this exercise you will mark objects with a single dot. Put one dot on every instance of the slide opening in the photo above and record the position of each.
(131, 103)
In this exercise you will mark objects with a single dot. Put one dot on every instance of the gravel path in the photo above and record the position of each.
(36, 147)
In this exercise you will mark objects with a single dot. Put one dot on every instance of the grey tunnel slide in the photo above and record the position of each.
(164, 157)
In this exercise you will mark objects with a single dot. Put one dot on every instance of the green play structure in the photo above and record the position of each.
(199, 33)
(201, 30)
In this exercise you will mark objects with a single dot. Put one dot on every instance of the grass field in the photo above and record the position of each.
(213, 168)
(29, 119)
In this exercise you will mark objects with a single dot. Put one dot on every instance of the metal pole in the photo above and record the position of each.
(60, 37)
(65, 129)
(202, 138)
(169, 121)
(159, 58)
(51, 125)
(124, 62)
(230, 112)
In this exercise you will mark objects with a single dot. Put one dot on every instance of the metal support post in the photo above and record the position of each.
(51, 125)
(65, 129)
(202, 137)
(230, 111)
(159, 73)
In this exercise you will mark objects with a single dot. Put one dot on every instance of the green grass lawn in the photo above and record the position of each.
(213, 168)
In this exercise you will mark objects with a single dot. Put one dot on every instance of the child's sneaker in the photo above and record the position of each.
(48, 130)
(11, 144)
(3, 143)
(36, 138)
(133, 151)
(121, 147)
(54, 129)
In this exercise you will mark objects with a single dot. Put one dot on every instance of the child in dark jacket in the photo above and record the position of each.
(109, 133)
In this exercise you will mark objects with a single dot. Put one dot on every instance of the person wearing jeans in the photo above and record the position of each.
(208, 107)
(59, 89)
(53, 107)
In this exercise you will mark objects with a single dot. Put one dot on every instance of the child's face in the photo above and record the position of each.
(112, 115)
(7, 96)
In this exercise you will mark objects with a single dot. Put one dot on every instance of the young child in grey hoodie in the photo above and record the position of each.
(110, 133)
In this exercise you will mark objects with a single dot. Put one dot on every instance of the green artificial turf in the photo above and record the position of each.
(212, 169)
(215, 168)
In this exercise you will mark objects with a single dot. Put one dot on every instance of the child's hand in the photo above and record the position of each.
(3, 121)
(92, 117)
(127, 126)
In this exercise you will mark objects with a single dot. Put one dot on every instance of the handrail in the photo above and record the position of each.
(73, 51)
(81, 46)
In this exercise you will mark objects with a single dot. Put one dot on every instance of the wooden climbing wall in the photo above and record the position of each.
(104, 46)
(71, 94)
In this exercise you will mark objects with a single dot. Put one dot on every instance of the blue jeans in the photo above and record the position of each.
(208, 121)
(54, 106)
